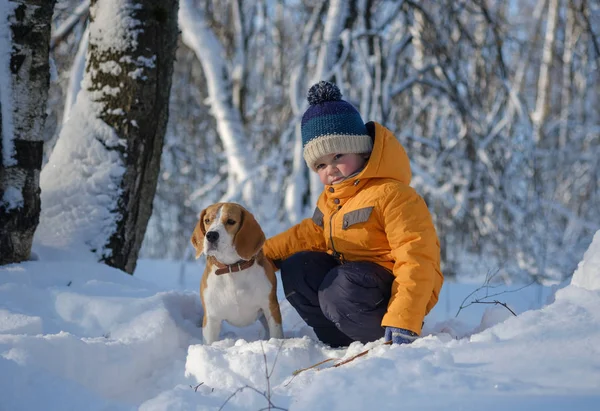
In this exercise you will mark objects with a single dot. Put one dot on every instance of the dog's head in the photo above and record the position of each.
(228, 232)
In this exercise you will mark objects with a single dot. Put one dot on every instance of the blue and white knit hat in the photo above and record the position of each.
(331, 125)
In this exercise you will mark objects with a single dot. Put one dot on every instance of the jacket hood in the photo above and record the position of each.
(388, 158)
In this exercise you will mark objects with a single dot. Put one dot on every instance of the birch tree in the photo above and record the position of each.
(541, 104)
(100, 181)
(24, 81)
(199, 36)
(457, 82)
(327, 38)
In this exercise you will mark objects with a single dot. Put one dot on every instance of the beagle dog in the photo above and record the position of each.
(239, 283)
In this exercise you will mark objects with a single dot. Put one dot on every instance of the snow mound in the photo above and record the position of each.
(15, 323)
(544, 359)
(76, 335)
(587, 274)
(89, 329)
(80, 185)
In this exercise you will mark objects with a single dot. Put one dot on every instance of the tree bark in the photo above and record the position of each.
(332, 29)
(24, 112)
(138, 114)
(541, 109)
(200, 37)
(567, 61)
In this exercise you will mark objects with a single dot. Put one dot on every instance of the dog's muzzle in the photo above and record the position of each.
(212, 236)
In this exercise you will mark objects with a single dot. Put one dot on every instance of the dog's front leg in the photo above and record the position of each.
(211, 330)
(273, 317)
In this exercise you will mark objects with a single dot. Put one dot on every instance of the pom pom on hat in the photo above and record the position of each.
(331, 125)
(323, 91)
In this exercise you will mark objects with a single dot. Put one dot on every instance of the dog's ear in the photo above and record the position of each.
(197, 239)
(250, 237)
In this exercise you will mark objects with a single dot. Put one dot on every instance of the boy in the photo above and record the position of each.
(367, 264)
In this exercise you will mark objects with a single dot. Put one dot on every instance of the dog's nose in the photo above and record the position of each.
(212, 236)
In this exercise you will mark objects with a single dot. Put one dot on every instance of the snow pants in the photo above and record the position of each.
(341, 302)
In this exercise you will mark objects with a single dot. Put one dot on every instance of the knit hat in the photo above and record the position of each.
(331, 125)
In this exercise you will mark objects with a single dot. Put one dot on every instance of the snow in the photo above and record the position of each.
(81, 335)
(80, 184)
(114, 29)
(12, 198)
(587, 274)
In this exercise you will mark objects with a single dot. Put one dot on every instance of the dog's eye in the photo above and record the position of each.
(206, 220)
(230, 222)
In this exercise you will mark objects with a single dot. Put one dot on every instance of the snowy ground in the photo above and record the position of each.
(83, 336)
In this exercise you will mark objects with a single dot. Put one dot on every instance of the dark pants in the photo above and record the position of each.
(341, 302)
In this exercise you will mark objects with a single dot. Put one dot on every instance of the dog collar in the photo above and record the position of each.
(233, 268)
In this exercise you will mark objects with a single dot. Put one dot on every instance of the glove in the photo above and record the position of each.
(399, 335)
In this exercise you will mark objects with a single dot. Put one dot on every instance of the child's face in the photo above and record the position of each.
(334, 168)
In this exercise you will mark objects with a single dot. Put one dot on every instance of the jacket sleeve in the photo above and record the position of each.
(415, 249)
(304, 236)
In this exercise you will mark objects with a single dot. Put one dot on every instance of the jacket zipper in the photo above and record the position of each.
(336, 255)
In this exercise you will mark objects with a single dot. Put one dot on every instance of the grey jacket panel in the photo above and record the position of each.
(357, 216)
(318, 217)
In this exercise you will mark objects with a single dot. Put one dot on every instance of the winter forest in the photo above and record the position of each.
(121, 120)
(496, 102)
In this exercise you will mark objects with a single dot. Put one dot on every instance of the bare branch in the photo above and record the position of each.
(271, 406)
(486, 286)
(584, 11)
(495, 302)
(80, 14)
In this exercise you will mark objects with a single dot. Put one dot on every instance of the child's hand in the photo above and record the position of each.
(399, 335)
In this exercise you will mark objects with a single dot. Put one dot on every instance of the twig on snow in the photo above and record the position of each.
(360, 354)
(268, 374)
(312, 366)
(270, 407)
(496, 302)
(486, 285)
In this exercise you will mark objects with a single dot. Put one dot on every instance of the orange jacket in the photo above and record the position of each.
(376, 216)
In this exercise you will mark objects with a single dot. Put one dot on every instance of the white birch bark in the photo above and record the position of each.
(199, 36)
(567, 60)
(24, 83)
(77, 71)
(67, 26)
(297, 182)
(418, 61)
(334, 24)
(539, 115)
(6, 92)
(326, 58)
(523, 61)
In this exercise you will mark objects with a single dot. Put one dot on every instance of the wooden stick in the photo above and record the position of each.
(360, 354)
(312, 366)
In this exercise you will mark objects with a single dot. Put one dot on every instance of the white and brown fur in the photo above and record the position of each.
(242, 297)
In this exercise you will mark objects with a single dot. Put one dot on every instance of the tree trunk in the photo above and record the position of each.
(76, 75)
(138, 114)
(332, 29)
(24, 87)
(200, 37)
(541, 109)
(567, 61)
